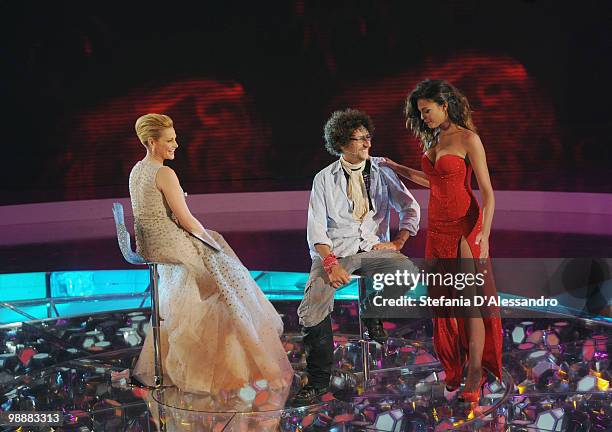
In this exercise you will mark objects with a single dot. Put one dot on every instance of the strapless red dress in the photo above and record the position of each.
(454, 213)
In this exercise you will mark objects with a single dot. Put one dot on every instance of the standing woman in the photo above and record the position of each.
(220, 333)
(458, 228)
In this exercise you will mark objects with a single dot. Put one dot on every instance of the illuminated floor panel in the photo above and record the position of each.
(558, 377)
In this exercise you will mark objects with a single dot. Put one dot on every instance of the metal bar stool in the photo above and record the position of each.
(363, 342)
(123, 237)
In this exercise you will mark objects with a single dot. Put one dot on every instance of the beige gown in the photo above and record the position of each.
(220, 333)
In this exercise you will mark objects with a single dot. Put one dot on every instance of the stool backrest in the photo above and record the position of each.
(123, 237)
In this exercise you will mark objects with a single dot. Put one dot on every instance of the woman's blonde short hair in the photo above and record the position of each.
(151, 125)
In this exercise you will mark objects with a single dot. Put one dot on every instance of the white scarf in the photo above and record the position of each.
(356, 190)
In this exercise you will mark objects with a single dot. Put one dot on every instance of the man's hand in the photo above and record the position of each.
(395, 245)
(338, 276)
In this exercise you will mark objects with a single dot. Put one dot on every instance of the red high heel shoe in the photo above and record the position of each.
(472, 397)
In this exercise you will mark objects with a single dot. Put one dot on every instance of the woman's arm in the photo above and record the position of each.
(168, 183)
(477, 157)
(411, 174)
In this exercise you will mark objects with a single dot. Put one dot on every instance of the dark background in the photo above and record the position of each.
(251, 84)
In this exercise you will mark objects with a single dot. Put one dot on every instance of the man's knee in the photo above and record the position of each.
(317, 302)
(405, 263)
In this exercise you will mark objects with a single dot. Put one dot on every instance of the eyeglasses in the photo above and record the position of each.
(363, 138)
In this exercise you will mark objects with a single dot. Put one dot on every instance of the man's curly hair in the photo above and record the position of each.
(340, 126)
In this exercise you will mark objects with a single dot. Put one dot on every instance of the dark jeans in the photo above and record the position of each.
(319, 346)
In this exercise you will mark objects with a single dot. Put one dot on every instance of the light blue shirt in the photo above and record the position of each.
(330, 212)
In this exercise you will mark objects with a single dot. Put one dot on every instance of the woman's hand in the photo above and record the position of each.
(388, 162)
(483, 241)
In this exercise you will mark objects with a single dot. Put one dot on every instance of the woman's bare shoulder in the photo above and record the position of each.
(165, 172)
(469, 135)
(165, 177)
(470, 139)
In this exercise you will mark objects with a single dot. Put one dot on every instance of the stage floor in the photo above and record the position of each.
(556, 377)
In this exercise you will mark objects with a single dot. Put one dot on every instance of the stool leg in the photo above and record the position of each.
(155, 324)
(365, 352)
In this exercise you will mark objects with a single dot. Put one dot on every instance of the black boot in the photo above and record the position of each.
(376, 330)
(309, 395)
(319, 346)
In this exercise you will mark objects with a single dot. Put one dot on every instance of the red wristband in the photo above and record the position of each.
(329, 261)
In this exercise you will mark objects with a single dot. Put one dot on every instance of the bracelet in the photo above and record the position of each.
(329, 261)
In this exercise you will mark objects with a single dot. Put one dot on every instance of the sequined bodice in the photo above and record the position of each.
(153, 220)
(147, 200)
(450, 192)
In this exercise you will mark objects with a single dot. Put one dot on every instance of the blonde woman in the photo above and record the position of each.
(219, 332)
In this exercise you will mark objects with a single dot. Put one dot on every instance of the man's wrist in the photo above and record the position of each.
(401, 238)
(399, 242)
(329, 262)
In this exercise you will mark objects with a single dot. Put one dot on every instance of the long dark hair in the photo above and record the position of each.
(438, 91)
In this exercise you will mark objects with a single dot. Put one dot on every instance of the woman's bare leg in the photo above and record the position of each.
(474, 324)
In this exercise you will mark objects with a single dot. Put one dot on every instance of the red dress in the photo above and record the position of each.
(454, 213)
